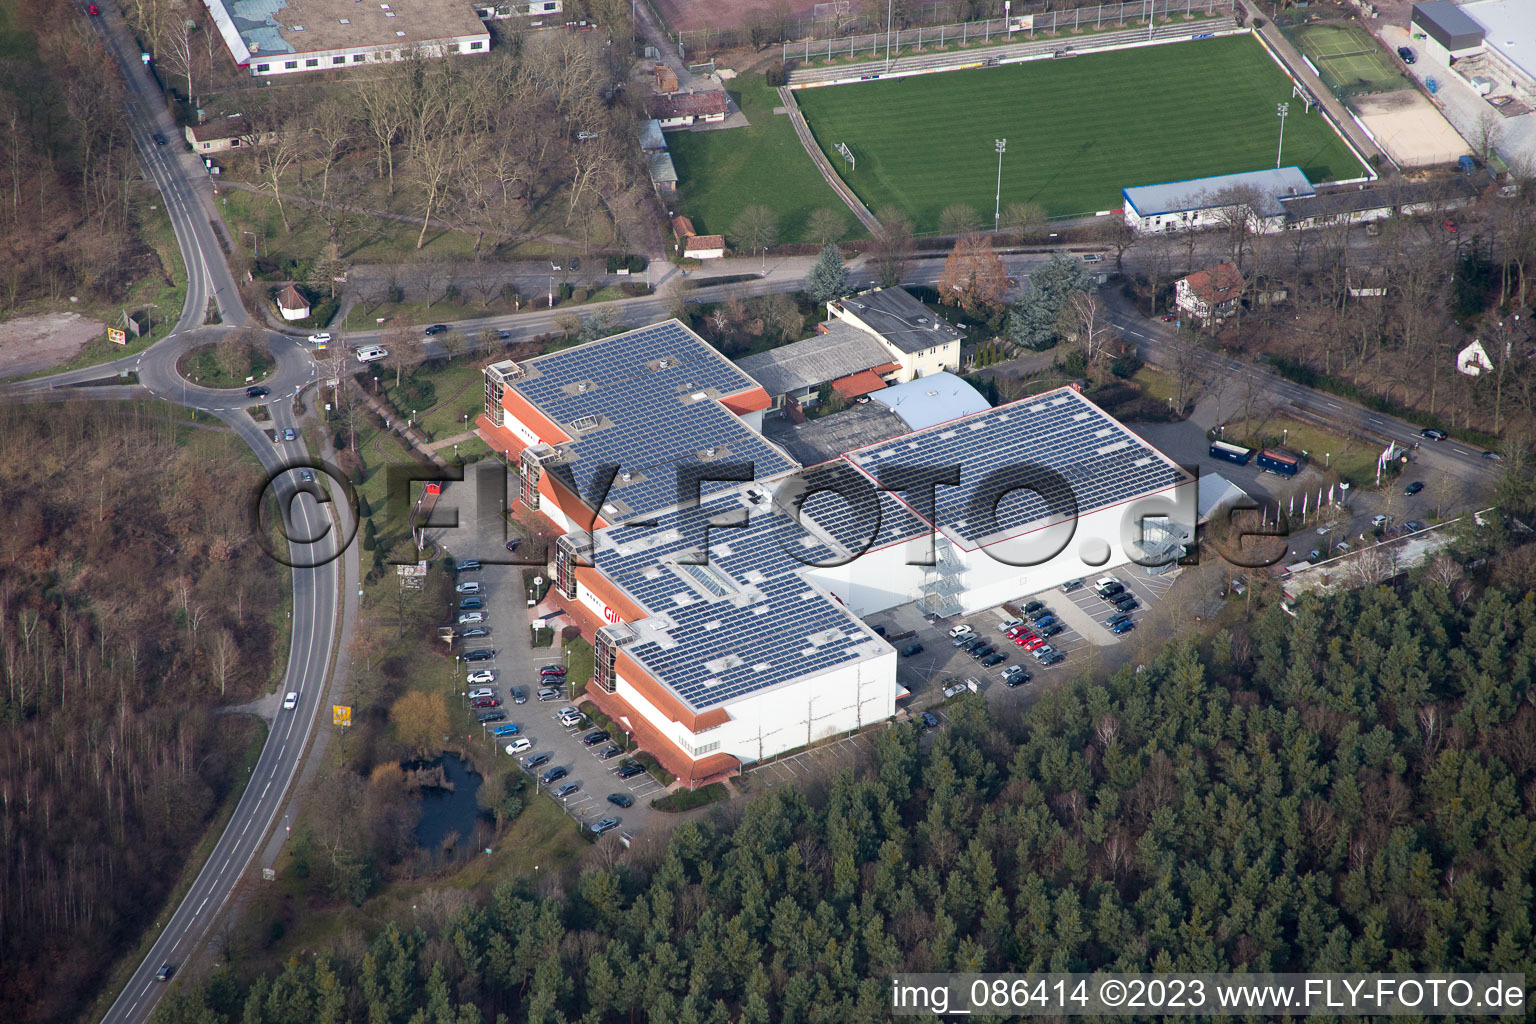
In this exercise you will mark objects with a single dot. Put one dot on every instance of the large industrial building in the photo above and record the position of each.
(284, 37)
(729, 628)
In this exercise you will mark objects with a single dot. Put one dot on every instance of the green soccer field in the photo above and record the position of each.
(1078, 130)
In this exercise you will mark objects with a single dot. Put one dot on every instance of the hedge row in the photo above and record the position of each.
(687, 799)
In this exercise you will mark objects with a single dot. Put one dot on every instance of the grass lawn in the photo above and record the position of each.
(721, 172)
(1353, 460)
(1078, 131)
(201, 364)
(457, 388)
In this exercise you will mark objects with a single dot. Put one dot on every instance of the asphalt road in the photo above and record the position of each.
(187, 196)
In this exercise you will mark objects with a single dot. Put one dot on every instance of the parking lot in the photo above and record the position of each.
(1082, 615)
(823, 759)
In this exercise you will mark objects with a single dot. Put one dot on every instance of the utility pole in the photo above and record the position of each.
(890, 11)
(997, 206)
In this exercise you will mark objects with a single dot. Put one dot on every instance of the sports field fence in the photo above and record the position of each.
(950, 20)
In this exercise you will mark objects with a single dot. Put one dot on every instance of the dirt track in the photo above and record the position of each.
(32, 343)
(686, 15)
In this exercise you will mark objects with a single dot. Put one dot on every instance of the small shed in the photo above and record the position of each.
(292, 304)
(663, 174)
(666, 79)
(651, 139)
(704, 247)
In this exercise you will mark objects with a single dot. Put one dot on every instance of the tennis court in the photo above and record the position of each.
(1348, 59)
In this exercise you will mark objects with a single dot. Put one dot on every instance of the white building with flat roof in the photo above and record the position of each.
(283, 37)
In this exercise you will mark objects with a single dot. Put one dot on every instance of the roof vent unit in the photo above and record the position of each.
(711, 451)
(626, 477)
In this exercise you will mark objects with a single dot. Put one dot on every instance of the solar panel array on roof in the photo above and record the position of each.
(1079, 457)
(744, 621)
(651, 391)
(854, 524)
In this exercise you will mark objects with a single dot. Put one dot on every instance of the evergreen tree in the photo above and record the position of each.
(828, 278)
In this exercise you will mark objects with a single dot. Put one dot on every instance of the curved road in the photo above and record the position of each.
(314, 532)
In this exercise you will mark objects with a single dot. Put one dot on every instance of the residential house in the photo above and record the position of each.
(292, 304)
(919, 341)
(684, 109)
(1210, 295)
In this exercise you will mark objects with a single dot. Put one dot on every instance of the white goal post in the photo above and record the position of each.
(848, 157)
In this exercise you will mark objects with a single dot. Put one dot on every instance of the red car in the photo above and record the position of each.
(1033, 643)
(92, 9)
(1450, 225)
(1023, 638)
(485, 702)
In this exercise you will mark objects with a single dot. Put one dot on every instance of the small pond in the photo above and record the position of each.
(448, 810)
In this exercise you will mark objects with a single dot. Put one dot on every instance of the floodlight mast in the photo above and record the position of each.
(1281, 109)
(997, 208)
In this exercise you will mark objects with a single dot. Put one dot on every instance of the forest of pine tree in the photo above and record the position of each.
(1350, 789)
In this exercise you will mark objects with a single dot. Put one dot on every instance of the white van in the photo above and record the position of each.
(471, 617)
(371, 353)
(519, 745)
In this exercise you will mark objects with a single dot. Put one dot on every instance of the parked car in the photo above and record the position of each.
(519, 745)
(1093, 257)
(471, 587)
(1053, 658)
(1045, 620)
(994, 659)
(1007, 624)
(621, 799)
(1040, 615)
(1116, 619)
(983, 651)
(911, 649)
(592, 739)
(481, 675)
(1432, 434)
(479, 654)
(573, 719)
(475, 633)
(1414, 488)
(491, 716)
(1407, 55)
(548, 693)
(509, 729)
(1071, 585)
(1043, 651)
(929, 721)
(566, 790)
(435, 329)
(552, 670)
(964, 629)
(291, 701)
(468, 565)
(554, 774)
(629, 769)
(1051, 630)
(1033, 606)
(471, 603)
(1412, 526)
(1034, 643)
(469, 617)
(605, 825)
(964, 640)
(612, 750)
(1016, 676)
(256, 391)
(1380, 521)
(519, 695)
(533, 761)
(1122, 627)
(1127, 603)
(483, 703)
(953, 690)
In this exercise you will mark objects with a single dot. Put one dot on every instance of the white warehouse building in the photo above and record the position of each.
(729, 629)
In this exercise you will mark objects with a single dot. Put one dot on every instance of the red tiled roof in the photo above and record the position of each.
(689, 104)
(861, 383)
(1219, 284)
(698, 242)
(682, 227)
(289, 298)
